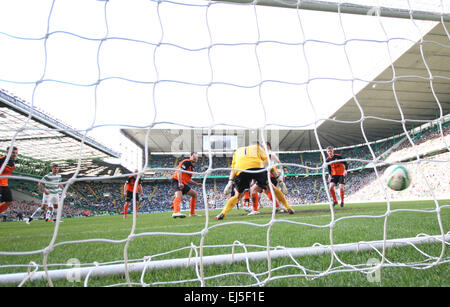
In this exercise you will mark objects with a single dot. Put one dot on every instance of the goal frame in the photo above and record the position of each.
(126, 267)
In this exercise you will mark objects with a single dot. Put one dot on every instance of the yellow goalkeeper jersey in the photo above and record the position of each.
(248, 157)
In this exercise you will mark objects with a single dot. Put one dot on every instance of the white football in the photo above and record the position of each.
(398, 177)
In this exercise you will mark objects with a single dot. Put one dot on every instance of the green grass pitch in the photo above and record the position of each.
(366, 225)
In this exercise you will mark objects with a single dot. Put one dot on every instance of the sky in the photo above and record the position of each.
(190, 64)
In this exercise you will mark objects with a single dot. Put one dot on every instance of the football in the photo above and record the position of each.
(398, 177)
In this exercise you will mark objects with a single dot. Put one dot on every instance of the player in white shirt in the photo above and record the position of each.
(51, 188)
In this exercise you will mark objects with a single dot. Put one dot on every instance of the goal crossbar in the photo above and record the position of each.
(119, 269)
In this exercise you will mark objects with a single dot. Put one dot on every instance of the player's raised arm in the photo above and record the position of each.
(230, 184)
(180, 181)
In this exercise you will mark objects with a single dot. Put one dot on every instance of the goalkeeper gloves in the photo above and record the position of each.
(281, 184)
(229, 187)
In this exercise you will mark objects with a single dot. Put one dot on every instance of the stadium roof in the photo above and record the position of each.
(415, 92)
(44, 138)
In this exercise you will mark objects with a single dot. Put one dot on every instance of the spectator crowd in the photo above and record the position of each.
(305, 182)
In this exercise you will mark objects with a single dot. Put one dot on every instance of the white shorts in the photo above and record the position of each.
(50, 199)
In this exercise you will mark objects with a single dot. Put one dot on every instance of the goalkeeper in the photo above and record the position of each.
(277, 179)
(250, 158)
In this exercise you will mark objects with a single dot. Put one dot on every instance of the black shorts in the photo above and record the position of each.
(184, 190)
(129, 196)
(338, 179)
(274, 181)
(244, 179)
(6, 194)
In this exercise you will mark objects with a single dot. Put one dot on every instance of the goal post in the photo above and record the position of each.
(217, 74)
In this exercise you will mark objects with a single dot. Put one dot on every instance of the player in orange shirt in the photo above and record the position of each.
(337, 171)
(248, 164)
(128, 189)
(5, 191)
(180, 182)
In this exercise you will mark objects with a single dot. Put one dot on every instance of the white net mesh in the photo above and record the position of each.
(216, 65)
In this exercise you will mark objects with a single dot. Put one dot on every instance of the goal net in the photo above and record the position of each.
(370, 78)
